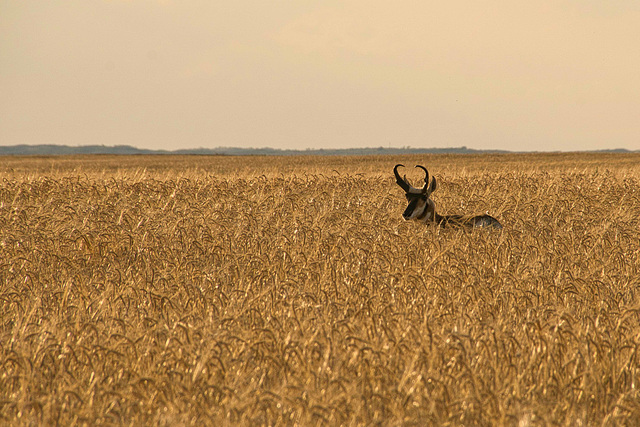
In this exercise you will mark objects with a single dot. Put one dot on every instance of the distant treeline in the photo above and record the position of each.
(48, 150)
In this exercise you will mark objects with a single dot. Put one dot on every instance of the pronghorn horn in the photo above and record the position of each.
(426, 178)
(399, 180)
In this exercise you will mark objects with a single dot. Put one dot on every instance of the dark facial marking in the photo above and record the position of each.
(411, 196)
(413, 201)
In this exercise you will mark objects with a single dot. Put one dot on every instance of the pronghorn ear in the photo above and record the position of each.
(432, 187)
(429, 188)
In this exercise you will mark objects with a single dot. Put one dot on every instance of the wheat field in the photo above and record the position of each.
(196, 290)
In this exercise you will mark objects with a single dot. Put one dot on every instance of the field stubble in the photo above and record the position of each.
(177, 290)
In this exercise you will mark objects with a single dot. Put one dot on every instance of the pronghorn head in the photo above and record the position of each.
(420, 207)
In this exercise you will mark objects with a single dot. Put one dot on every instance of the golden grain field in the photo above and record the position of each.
(191, 290)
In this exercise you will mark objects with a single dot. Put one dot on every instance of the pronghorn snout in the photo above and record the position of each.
(417, 205)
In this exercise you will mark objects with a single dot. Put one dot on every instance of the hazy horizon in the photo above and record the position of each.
(167, 75)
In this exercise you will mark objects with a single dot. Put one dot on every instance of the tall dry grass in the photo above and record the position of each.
(280, 291)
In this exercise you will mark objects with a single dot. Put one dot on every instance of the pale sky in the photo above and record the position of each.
(169, 74)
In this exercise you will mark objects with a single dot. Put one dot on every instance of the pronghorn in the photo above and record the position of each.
(422, 208)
